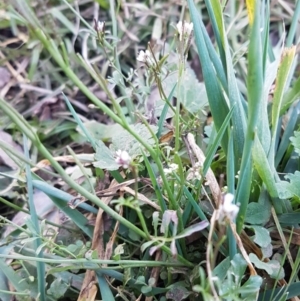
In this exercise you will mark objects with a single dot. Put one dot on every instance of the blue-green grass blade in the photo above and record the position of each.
(156, 187)
(62, 195)
(294, 26)
(263, 129)
(281, 83)
(79, 122)
(116, 175)
(291, 96)
(4, 288)
(265, 171)
(215, 59)
(79, 219)
(216, 17)
(34, 60)
(212, 150)
(289, 130)
(106, 293)
(265, 33)
(35, 221)
(186, 213)
(283, 293)
(132, 282)
(214, 92)
(255, 91)
(230, 176)
(239, 118)
(195, 205)
(164, 113)
(21, 286)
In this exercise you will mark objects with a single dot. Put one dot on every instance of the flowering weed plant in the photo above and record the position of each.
(158, 199)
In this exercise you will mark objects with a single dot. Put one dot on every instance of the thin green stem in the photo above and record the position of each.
(80, 261)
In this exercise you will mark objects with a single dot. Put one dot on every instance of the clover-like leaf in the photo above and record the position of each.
(272, 267)
(289, 189)
(261, 236)
(100, 131)
(104, 157)
(296, 142)
(126, 142)
(192, 93)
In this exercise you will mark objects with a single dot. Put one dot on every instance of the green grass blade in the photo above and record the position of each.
(78, 218)
(284, 293)
(216, 17)
(281, 83)
(234, 97)
(195, 205)
(212, 150)
(255, 91)
(35, 222)
(79, 122)
(106, 293)
(294, 25)
(215, 95)
(157, 190)
(230, 174)
(291, 96)
(263, 168)
(289, 131)
(22, 287)
(164, 113)
(62, 195)
(215, 59)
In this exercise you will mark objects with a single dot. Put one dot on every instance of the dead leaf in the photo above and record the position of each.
(5, 77)
(4, 158)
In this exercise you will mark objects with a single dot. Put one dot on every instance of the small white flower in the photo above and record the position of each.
(197, 175)
(100, 26)
(228, 208)
(123, 158)
(145, 57)
(184, 29)
(188, 28)
(194, 172)
(142, 56)
(172, 167)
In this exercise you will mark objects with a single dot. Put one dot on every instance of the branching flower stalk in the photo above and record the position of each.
(185, 31)
(100, 31)
(53, 50)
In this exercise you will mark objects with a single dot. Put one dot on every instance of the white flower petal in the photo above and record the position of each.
(228, 208)
(100, 26)
(123, 158)
(141, 57)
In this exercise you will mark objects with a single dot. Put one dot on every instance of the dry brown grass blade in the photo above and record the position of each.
(141, 198)
(89, 285)
(109, 245)
(67, 159)
(242, 249)
(113, 190)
